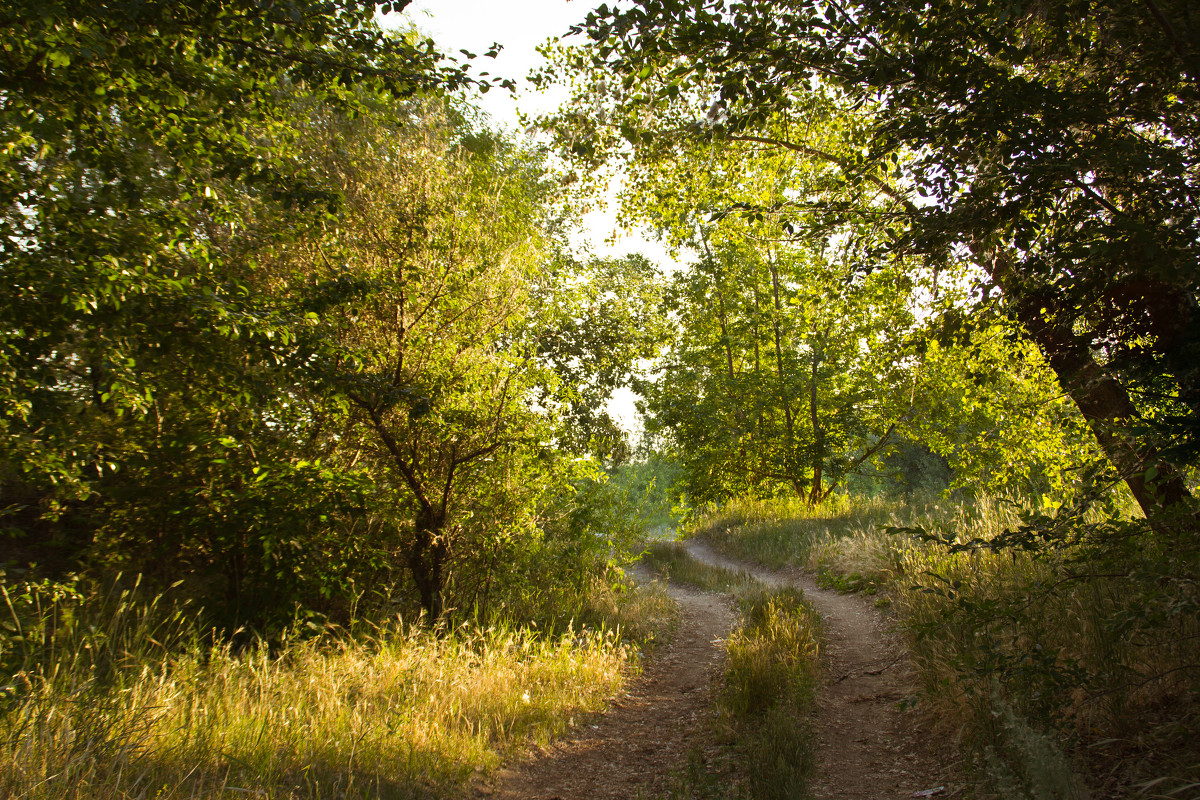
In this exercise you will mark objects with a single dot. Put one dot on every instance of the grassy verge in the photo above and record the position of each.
(1046, 664)
(112, 703)
(763, 719)
(767, 697)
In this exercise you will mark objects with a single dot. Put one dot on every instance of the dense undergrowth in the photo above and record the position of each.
(115, 697)
(1061, 658)
(764, 704)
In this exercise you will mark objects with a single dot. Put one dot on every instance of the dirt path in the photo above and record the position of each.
(630, 751)
(868, 748)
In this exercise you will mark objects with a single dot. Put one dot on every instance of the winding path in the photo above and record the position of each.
(869, 748)
(630, 751)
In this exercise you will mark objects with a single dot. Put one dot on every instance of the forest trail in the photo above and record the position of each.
(868, 748)
(631, 750)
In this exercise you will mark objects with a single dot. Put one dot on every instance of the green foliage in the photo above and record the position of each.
(785, 372)
(1077, 226)
(991, 407)
(435, 363)
(908, 468)
(656, 480)
(811, 350)
(140, 145)
(586, 539)
(602, 318)
(159, 396)
(311, 374)
(1029, 764)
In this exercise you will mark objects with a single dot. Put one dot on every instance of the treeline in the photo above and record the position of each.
(285, 325)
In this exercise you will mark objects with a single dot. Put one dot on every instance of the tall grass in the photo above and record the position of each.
(775, 532)
(112, 701)
(671, 562)
(770, 681)
(1090, 649)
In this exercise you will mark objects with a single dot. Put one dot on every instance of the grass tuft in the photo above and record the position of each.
(770, 682)
(670, 561)
(764, 706)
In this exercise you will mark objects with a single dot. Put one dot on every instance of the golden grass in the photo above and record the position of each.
(670, 561)
(770, 680)
(1102, 657)
(776, 532)
(763, 720)
(402, 713)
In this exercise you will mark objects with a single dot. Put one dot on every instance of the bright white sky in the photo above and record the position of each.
(521, 26)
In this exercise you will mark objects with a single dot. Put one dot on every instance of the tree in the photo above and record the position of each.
(151, 160)
(1057, 147)
(436, 355)
(989, 404)
(603, 319)
(132, 135)
(788, 368)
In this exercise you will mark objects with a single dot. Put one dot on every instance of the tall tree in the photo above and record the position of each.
(150, 161)
(1056, 146)
(602, 320)
(443, 244)
(788, 369)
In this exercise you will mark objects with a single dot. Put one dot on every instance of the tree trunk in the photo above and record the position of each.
(1155, 483)
(816, 495)
(427, 560)
(1101, 399)
(785, 399)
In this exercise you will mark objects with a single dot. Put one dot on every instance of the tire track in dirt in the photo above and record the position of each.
(868, 748)
(631, 749)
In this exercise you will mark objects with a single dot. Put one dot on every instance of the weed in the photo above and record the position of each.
(670, 561)
(846, 583)
(1025, 764)
(770, 680)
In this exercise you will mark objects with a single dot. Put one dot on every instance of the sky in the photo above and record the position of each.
(521, 26)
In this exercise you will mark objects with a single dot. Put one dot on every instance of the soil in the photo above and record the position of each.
(871, 743)
(869, 746)
(632, 748)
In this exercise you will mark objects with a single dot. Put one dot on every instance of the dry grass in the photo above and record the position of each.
(401, 713)
(766, 700)
(1020, 648)
(763, 719)
(776, 532)
(670, 561)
